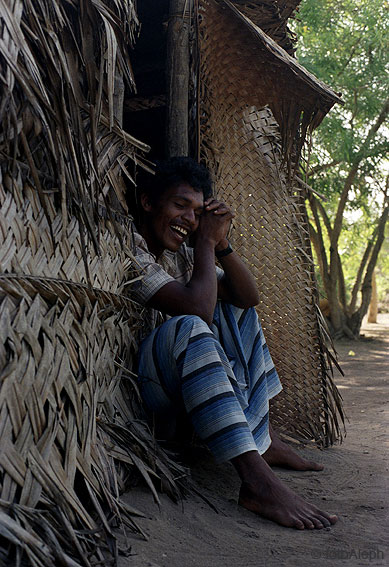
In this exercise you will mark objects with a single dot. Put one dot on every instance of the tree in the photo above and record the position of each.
(341, 43)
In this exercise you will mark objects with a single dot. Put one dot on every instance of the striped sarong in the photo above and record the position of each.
(222, 375)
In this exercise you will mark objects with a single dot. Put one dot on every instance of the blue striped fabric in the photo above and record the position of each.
(222, 375)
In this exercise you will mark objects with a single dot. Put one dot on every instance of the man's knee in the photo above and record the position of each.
(173, 334)
(191, 324)
(194, 320)
(179, 320)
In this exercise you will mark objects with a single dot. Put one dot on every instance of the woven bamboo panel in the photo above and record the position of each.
(241, 142)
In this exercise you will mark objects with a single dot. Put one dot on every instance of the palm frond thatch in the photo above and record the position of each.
(68, 333)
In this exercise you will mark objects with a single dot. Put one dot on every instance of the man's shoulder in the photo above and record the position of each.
(139, 243)
(174, 263)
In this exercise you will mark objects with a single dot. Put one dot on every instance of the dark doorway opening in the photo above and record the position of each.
(145, 111)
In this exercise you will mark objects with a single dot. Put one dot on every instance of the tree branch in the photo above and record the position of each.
(323, 167)
(352, 173)
(326, 219)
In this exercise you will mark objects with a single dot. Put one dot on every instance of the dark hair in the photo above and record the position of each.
(176, 170)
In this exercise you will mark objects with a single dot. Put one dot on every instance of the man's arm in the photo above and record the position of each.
(238, 285)
(199, 295)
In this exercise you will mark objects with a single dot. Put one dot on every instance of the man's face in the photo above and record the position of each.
(173, 219)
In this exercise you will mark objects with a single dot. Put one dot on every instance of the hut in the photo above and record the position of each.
(70, 437)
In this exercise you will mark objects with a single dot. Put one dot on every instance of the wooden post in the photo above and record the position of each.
(177, 69)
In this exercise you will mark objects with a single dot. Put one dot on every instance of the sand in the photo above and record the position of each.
(354, 485)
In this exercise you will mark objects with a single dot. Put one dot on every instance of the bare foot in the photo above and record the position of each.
(278, 503)
(281, 455)
(264, 494)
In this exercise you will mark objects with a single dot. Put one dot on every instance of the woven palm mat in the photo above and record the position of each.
(241, 143)
(68, 332)
(66, 398)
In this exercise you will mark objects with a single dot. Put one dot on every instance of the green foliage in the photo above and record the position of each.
(346, 44)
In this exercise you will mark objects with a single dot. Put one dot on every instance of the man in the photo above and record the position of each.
(209, 355)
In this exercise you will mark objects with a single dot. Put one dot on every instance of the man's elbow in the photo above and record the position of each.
(249, 300)
(205, 315)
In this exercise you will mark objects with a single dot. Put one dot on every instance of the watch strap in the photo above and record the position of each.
(223, 253)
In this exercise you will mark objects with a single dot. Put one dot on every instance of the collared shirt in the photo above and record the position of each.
(154, 274)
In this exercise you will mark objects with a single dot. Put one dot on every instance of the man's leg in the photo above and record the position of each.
(183, 363)
(281, 455)
(241, 335)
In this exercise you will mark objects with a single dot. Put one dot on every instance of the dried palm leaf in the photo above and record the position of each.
(67, 332)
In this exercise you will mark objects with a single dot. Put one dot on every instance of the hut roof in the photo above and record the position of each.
(272, 17)
(265, 72)
(267, 36)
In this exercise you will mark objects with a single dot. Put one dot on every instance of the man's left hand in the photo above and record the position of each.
(217, 207)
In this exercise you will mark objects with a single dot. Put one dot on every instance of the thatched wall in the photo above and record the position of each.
(68, 327)
(272, 18)
(256, 105)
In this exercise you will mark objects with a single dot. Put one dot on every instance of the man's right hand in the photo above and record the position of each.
(214, 222)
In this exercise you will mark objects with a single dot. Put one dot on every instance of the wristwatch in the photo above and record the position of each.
(225, 252)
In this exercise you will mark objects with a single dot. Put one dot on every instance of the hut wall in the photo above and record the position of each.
(242, 144)
(68, 328)
(69, 412)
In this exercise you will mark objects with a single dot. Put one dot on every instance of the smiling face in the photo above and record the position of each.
(170, 221)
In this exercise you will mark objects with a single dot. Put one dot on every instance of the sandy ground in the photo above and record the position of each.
(354, 484)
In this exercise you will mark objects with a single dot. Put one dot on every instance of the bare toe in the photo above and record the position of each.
(313, 466)
(330, 518)
(299, 525)
(326, 523)
(309, 524)
(319, 522)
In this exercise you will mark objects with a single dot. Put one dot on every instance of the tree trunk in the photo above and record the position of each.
(345, 323)
(356, 318)
(177, 139)
(358, 280)
(373, 307)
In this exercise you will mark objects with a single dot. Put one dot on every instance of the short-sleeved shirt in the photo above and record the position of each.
(170, 266)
